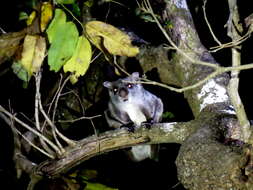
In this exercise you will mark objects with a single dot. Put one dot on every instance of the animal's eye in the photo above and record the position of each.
(129, 85)
(115, 90)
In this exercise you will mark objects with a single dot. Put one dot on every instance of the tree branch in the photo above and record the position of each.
(233, 87)
(208, 24)
(30, 129)
(113, 140)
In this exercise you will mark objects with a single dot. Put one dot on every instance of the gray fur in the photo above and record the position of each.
(130, 102)
(138, 100)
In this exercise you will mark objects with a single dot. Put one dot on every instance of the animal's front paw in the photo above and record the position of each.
(147, 124)
(130, 127)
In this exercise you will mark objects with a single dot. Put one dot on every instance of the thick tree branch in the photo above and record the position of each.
(113, 140)
(233, 87)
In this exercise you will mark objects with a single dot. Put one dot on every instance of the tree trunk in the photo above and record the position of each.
(212, 157)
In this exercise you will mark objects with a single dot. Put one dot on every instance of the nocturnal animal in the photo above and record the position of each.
(131, 105)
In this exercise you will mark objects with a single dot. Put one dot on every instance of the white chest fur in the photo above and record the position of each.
(135, 114)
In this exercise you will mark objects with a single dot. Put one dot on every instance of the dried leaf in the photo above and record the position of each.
(106, 36)
(80, 61)
(9, 44)
(46, 15)
(39, 54)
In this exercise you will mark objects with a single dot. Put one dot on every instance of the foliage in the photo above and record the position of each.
(67, 48)
(168, 115)
(79, 62)
(59, 34)
(46, 15)
(105, 36)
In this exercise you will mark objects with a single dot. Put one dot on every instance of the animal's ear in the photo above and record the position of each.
(107, 84)
(135, 75)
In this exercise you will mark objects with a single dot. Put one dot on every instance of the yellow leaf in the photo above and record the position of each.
(28, 52)
(46, 15)
(80, 61)
(106, 36)
(31, 18)
(39, 54)
(33, 53)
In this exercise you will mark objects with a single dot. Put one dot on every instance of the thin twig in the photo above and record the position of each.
(208, 24)
(53, 127)
(37, 97)
(217, 72)
(55, 95)
(148, 9)
(118, 66)
(79, 22)
(232, 43)
(26, 117)
(38, 77)
(95, 57)
(78, 119)
(51, 124)
(78, 98)
(96, 135)
(58, 97)
(3, 110)
(34, 146)
(2, 30)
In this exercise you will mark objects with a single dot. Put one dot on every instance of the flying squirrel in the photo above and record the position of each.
(131, 105)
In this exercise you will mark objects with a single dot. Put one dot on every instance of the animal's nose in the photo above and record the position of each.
(123, 92)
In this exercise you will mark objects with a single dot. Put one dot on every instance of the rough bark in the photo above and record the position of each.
(211, 155)
(205, 161)
(113, 140)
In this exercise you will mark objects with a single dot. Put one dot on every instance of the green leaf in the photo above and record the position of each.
(58, 20)
(23, 16)
(89, 3)
(20, 71)
(76, 9)
(63, 37)
(168, 115)
(65, 1)
(97, 186)
(80, 61)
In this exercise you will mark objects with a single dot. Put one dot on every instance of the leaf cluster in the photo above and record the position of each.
(60, 41)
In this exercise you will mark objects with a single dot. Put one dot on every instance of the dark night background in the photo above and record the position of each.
(114, 169)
